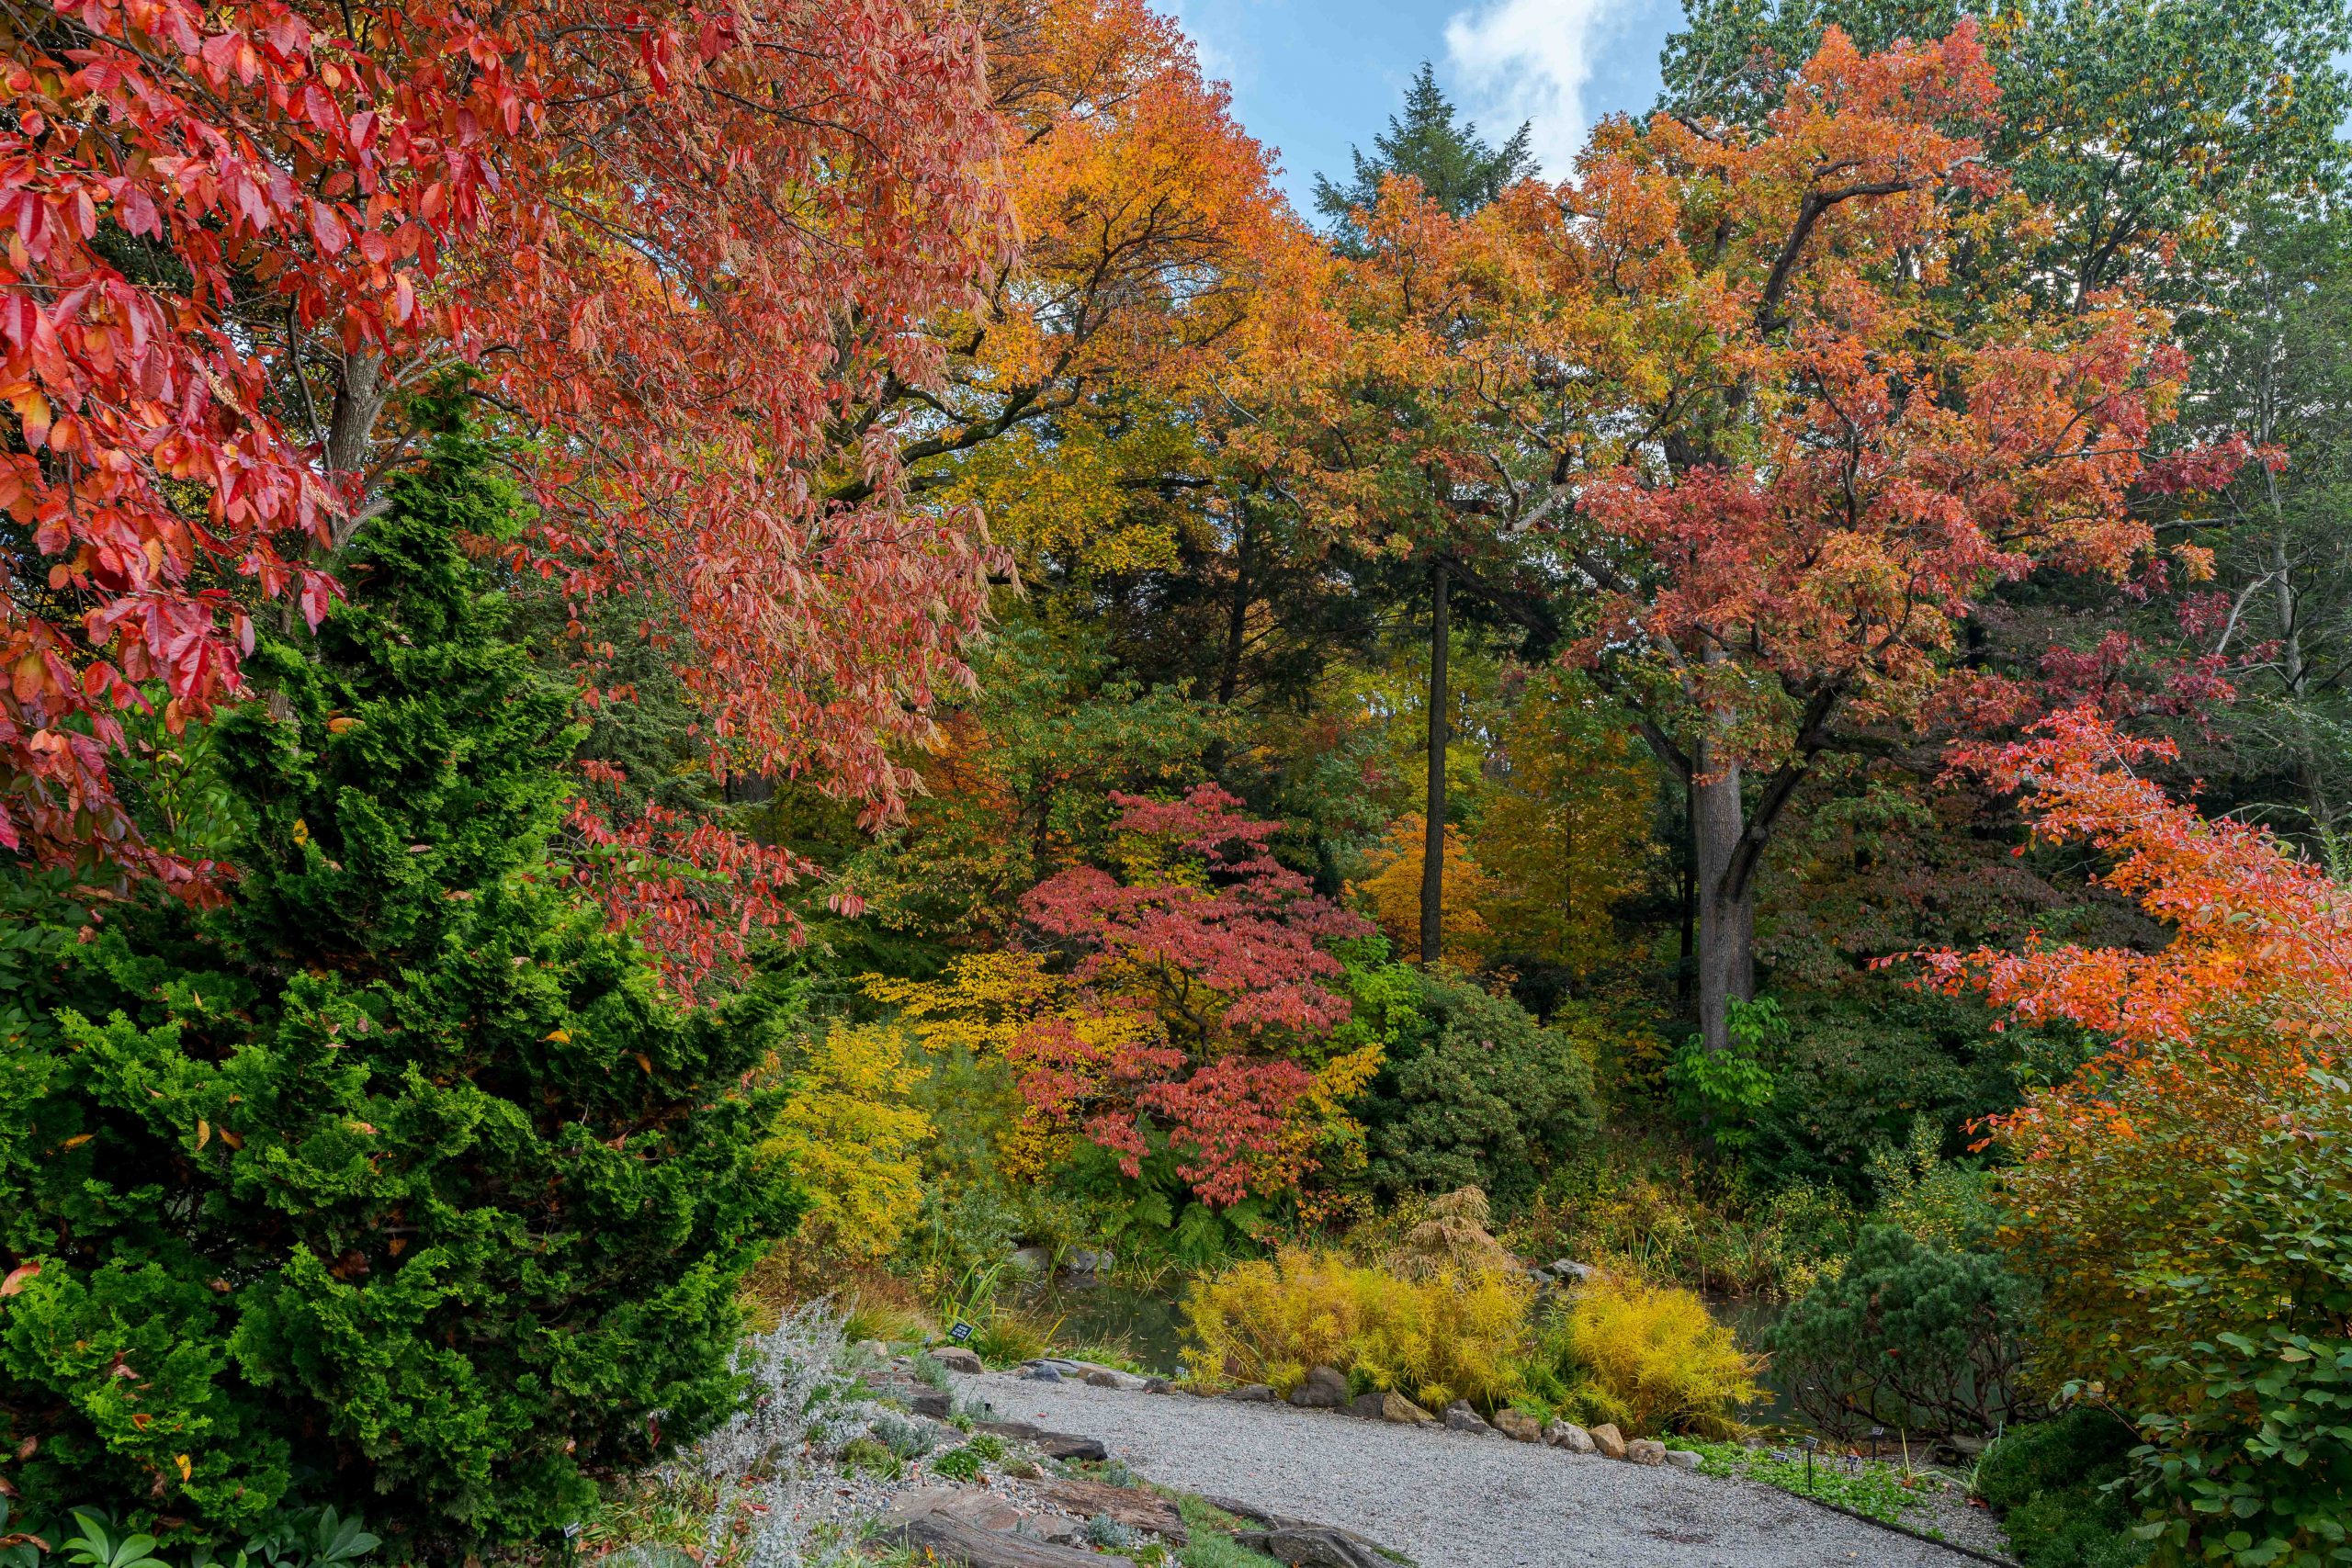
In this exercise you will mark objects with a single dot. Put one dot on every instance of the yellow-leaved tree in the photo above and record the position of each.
(855, 1142)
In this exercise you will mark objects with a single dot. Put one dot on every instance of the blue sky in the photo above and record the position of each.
(1311, 77)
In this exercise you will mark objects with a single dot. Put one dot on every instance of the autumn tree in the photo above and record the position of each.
(244, 234)
(2179, 1198)
(1833, 451)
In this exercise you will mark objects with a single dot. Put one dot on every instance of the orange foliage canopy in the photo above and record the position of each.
(2254, 921)
(2218, 1048)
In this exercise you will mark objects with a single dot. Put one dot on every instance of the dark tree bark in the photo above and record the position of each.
(1434, 834)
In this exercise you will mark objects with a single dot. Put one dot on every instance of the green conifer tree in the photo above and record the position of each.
(399, 1181)
(1457, 170)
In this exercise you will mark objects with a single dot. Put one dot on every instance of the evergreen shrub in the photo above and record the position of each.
(398, 1181)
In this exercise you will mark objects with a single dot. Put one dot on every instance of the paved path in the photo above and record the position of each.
(1455, 1499)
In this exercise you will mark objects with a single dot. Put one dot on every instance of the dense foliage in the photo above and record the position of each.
(397, 1178)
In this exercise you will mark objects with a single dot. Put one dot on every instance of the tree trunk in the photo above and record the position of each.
(359, 397)
(1237, 622)
(1726, 899)
(1433, 832)
(1684, 971)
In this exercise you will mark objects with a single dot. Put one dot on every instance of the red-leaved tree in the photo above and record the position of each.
(1201, 984)
(676, 244)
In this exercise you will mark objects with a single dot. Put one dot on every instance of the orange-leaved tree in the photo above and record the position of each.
(2180, 1199)
(1805, 451)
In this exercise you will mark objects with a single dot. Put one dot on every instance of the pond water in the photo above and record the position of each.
(1146, 1324)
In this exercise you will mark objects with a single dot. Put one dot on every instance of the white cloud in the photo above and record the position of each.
(1530, 60)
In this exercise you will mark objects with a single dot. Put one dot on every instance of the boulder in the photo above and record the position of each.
(1682, 1458)
(1252, 1394)
(1313, 1546)
(1083, 1263)
(955, 1358)
(1053, 1445)
(944, 1539)
(1157, 1385)
(1645, 1451)
(1608, 1440)
(1387, 1404)
(1130, 1505)
(972, 1504)
(1519, 1426)
(1569, 1436)
(1105, 1380)
(1460, 1418)
(1042, 1374)
(1570, 1272)
(1324, 1388)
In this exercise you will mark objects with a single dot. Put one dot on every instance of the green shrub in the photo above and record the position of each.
(1474, 1092)
(2054, 1482)
(399, 1168)
(1907, 1336)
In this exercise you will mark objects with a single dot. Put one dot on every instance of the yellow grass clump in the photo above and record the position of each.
(1655, 1349)
(1455, 1334)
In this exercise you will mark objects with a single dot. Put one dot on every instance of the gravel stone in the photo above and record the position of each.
(1453, 1500)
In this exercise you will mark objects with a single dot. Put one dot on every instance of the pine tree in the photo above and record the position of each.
(1456, 169)
(398, 1181)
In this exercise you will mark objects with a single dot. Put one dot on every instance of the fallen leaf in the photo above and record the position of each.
(203, 1132)
(77, 1140)
(16, 1278)
(560, 1036)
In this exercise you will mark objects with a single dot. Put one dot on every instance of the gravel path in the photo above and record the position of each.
(1455, 1499)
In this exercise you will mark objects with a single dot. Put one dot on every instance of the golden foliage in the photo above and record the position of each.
(1655, 1349)
(1394, 891)
(1455, 1335)
(854, 1143)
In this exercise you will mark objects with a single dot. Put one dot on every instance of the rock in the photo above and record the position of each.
(1570, 1272)
(1130, 1505)
(1519, 1426)
(1460, 1418)
(1325, 1388)
(874, 1348)
(1041, 1375)
(1252, 1394)
(949, 1539)
(1088, 1263)
(1105, 1380)
(972, 1504)
(1032, 1259)
(1682, 1458)
(1313, 1546)
(955, 1358)
(1157, 1385)
(1389, 1405)
(1569, 1436)
(1053, 1445)
(1645, 1451)
(1609, 1440)
(932, 1402)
